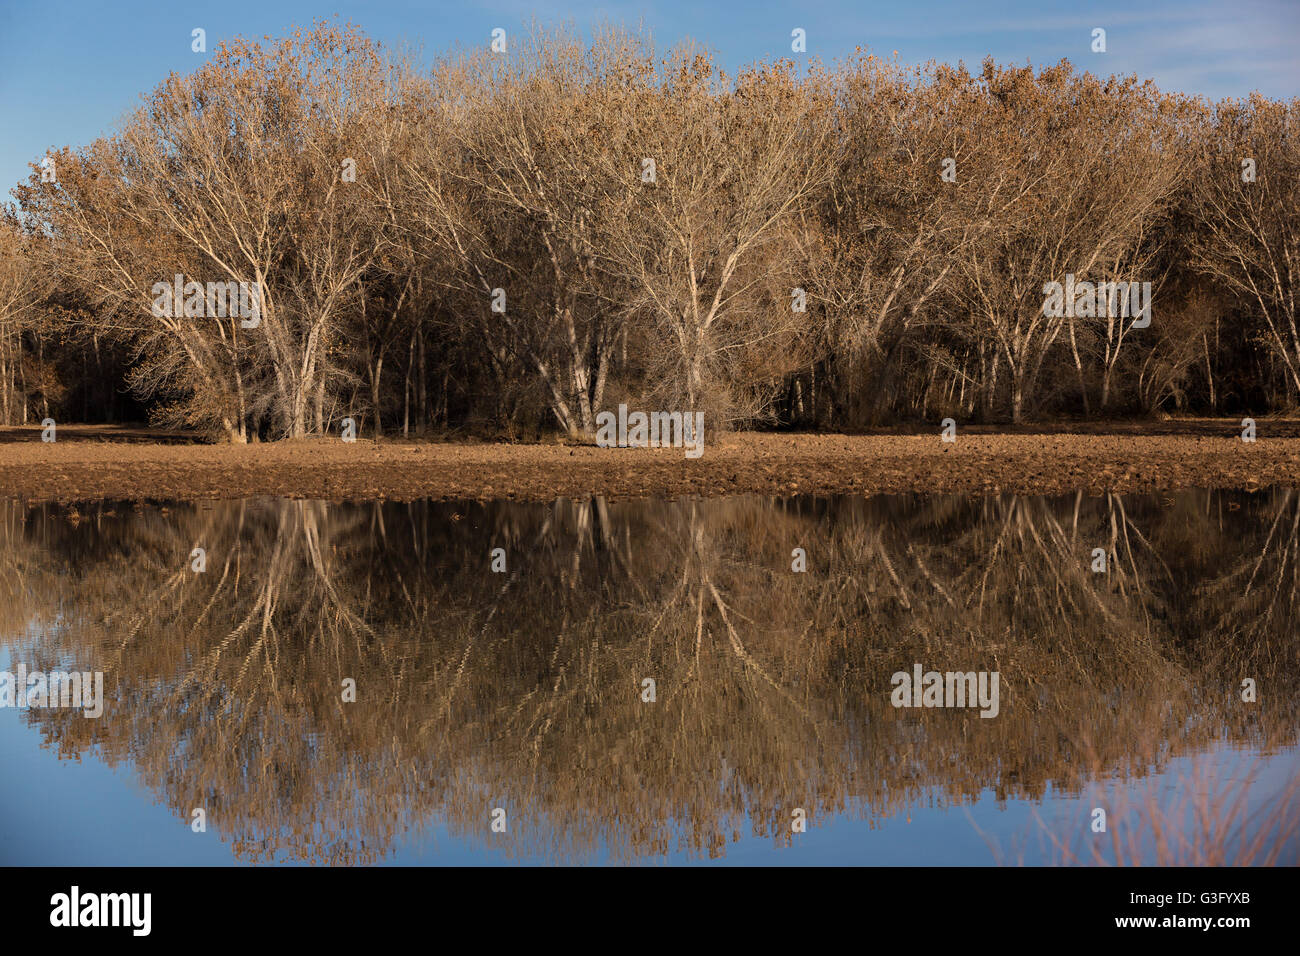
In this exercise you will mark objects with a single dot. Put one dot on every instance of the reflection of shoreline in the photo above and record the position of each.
(523, 687)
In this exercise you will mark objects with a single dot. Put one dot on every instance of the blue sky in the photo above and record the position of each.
(70, 69)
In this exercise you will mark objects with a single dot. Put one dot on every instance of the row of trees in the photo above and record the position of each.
(521, 239)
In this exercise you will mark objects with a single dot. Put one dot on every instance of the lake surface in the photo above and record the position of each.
(653, 682)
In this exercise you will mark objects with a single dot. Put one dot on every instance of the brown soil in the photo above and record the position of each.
(92, 462)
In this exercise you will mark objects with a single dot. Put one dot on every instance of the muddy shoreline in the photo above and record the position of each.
(94, 463)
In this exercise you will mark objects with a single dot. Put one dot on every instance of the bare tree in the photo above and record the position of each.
(1247, 230)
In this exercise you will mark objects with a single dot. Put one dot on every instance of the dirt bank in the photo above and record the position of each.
(97, 462)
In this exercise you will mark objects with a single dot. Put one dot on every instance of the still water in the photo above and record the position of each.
(655, 682)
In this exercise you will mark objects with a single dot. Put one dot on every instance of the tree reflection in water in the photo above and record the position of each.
(523, 689)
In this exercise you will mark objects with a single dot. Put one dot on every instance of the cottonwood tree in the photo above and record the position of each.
(112, 257)
(1247, 228)
(888, 221)
(707, 249)
(231, 174)
(507, 186)
(1076, 169)
(24, 284)
(264, 133)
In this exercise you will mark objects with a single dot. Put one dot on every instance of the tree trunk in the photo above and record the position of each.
(406, 387)
(320, 405)
(374, 394)
(421, 388)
